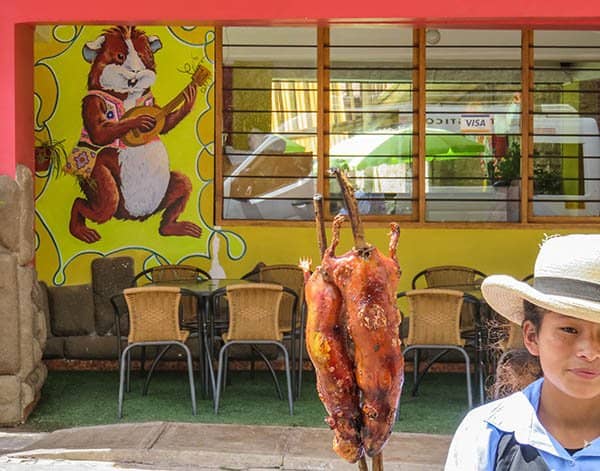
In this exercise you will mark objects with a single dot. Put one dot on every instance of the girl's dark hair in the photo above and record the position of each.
(517, 368)
(533, 313)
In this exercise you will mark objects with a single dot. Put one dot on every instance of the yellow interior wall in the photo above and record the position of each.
(509, 251)
(254, 100)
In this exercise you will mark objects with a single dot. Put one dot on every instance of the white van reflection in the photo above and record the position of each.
(272, 184)
(269, 182)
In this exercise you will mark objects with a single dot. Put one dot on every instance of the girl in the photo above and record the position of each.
(554, 423)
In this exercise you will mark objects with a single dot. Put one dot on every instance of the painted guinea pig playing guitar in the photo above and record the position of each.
(122, 163)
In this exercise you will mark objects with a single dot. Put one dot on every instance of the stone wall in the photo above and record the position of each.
(23, 333)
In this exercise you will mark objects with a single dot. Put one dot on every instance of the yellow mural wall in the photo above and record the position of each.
(61, 76)
(60, 85)
(510, 251)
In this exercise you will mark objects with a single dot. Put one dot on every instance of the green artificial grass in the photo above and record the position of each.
(81, 398)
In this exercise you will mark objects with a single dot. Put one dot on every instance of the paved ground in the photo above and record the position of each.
(183, 446)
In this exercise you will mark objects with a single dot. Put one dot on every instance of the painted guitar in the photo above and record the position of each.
(135, 137)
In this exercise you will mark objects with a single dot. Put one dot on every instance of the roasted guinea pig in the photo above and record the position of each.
(326, 344)
(368, 282)
(353, 338)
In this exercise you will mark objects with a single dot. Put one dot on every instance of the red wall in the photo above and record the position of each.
(16, 130)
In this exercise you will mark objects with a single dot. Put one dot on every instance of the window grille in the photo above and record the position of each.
(565, 105)
(430, 125)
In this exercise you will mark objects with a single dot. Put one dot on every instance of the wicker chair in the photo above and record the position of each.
(176, 273)
(453, 277)
(189, 304)
(290, 320)
(253, 320)
(171, 273)
(448, 276)
(516, 369)
(506, 336)
(514, 339)
(154, 321)
(434, 323)
(466, 279)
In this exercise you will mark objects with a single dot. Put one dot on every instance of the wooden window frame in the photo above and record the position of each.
(417, 218)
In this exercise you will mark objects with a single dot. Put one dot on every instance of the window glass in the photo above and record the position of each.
(273, 79)
(269, 122)
(566, 108)
(370, 115)
(473, 85)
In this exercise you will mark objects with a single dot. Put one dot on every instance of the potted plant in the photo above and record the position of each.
(503, 170)
(504, 173)
(50, 156)
(546, 180)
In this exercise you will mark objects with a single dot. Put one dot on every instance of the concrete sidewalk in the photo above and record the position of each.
(182, 446)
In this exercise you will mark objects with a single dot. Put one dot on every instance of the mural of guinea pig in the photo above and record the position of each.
(120, 176)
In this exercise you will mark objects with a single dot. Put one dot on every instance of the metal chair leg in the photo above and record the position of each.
(445, 349)
(209, 372)
(271, 370)
(480, 365)
(293, 354)
(143, 360)
(219, 377)
(153, 367)
(122, 370)
(252, 368)
(226, 371)
(301, 352)
(415, 366)
(128, 356)
(300, 368)
(202, 360)
(289, 379)
(125, 370)
(436, 358)
(190, 366)
(468, 374)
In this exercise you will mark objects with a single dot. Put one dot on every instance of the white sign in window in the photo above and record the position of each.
(476, 123)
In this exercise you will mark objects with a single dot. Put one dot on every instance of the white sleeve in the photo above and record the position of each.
(469, 450)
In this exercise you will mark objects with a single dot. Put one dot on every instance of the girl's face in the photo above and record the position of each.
(569, 351)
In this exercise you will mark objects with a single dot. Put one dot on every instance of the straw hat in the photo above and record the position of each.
(566, 281)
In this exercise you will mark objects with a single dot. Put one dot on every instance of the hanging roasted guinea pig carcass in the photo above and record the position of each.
(352, 336)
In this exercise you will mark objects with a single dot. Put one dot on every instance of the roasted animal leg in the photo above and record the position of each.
(326, 345)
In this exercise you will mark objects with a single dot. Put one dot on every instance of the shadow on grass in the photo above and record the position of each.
(78, 398)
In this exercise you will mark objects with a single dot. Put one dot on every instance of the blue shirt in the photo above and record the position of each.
(474, 444)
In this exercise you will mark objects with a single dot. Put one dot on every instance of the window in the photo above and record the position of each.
(430, 125)
(473, 132)
(370, 116)
(269, 93)
(565, 158)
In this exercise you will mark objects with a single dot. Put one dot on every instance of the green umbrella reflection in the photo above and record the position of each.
(392, 146)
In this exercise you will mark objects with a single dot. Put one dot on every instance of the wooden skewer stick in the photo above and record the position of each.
(362, 464)
(352, 208)
(377, 464)
(321, 236)
(394, 236)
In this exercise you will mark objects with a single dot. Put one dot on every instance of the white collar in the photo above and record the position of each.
(517, 414)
